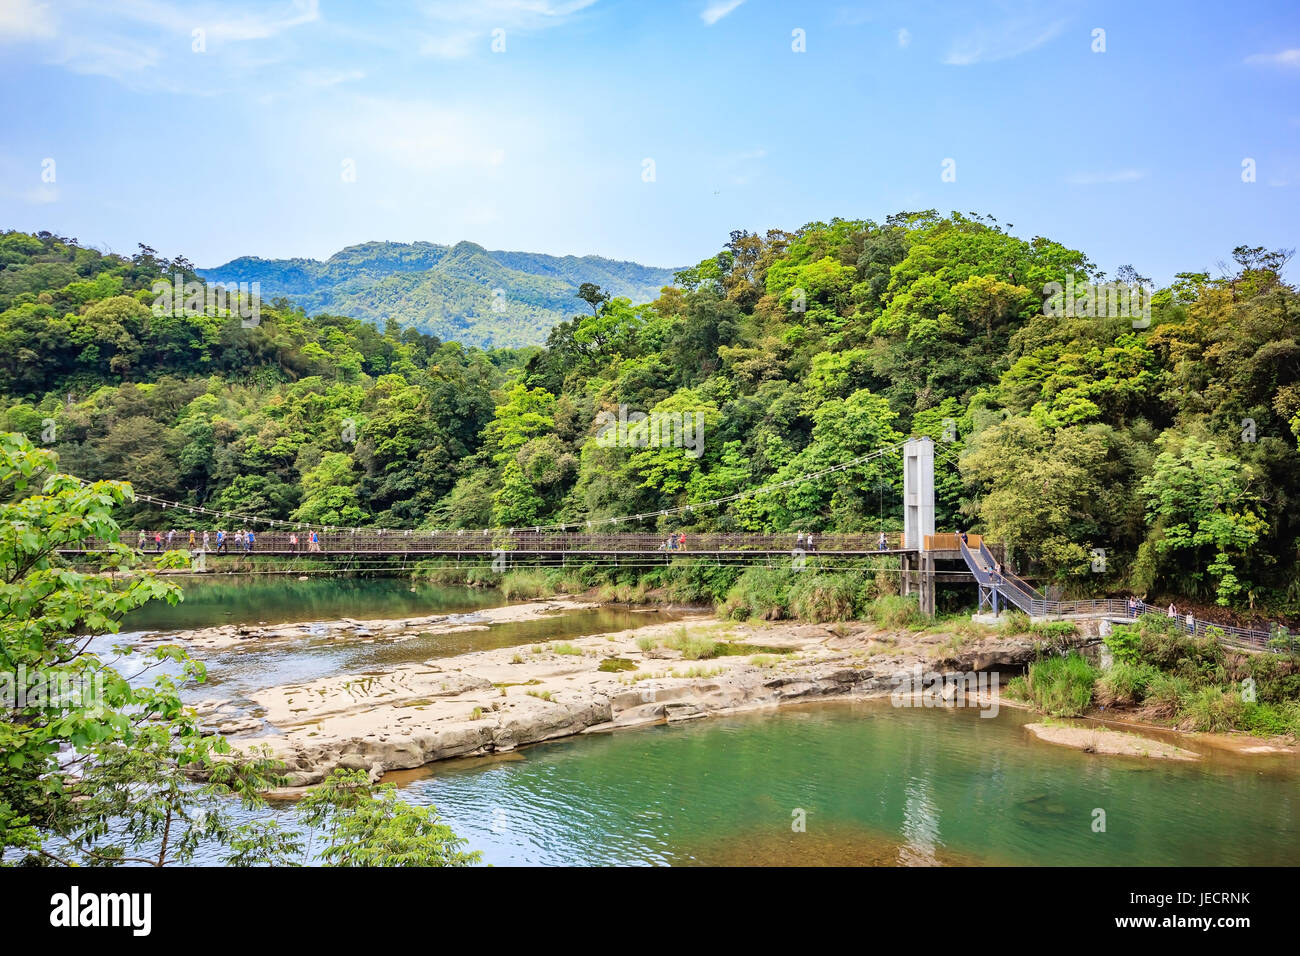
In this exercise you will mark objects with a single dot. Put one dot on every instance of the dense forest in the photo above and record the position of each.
(463, 292)
(1172, 445)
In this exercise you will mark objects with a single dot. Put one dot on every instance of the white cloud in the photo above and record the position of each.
(148, 44)
(116, 57)
(904, 38)
(1287, 59)
(25, 20)
(258, 24)
(1094, 178)
(464, 25)
(1008, 39)
(450, 46)
(325, 77)
(718, 9)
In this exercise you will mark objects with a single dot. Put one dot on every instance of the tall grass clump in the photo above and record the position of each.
(762, 593)
(1125, 684)
(524, 584)
(825, 597)
(693, 647)
(1211, 709)
(1062, 686)
(896, 612)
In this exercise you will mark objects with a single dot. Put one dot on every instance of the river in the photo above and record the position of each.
(846, 782)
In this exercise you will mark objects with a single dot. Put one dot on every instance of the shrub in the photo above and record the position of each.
(1276, 676)
(1125, 643)
(1271, 720)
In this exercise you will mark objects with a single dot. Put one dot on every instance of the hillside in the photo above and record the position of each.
(1108, 455)
(447, 291)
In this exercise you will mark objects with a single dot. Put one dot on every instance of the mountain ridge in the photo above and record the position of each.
(463, 291)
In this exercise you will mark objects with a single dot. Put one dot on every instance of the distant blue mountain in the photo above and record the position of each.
(463, 292)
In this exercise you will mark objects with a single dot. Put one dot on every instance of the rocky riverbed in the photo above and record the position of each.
(497, 700)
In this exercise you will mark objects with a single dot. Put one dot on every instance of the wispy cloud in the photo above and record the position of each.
(460, 26)
(1116, 176)
(324, 78)
(1003, 41)
(904, 38)
(140, 43)
(1287, 59)
(220, 24)
(717, 10)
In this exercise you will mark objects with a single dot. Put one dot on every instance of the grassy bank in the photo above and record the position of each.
(845, 591)
(1163, 675)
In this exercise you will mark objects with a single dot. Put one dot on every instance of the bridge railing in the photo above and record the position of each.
(425, 542)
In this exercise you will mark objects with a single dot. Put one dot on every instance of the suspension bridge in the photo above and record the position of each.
(925, 558)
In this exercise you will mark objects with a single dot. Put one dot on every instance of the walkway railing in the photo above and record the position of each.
(1021, 594)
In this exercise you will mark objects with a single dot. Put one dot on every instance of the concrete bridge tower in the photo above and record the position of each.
(918, 520)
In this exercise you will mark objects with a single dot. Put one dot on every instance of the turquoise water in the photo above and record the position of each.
(278, 599)
(877, 785)
(214, 599)
(871, 784)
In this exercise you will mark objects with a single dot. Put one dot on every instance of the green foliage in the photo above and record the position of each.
(1125, 684)
(446, 290)
(1125, 643)
(761, 593)
(99, 770)
(797, 351)
(896, 612)
(1062, 686)
(365, 825)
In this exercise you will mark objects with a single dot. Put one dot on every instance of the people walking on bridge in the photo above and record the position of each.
(170, 534)
(139, 541)
(1172, 612)
(964, 538)
(810, 547)
(157, 540)
(293, 541)
(251, 539)
(798, 542)
(221, 542)
(315, 542)
(883, 543)
(205, 541)
(681, 540)
(205, 534)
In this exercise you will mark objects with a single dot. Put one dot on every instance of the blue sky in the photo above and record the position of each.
(1133, 155)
